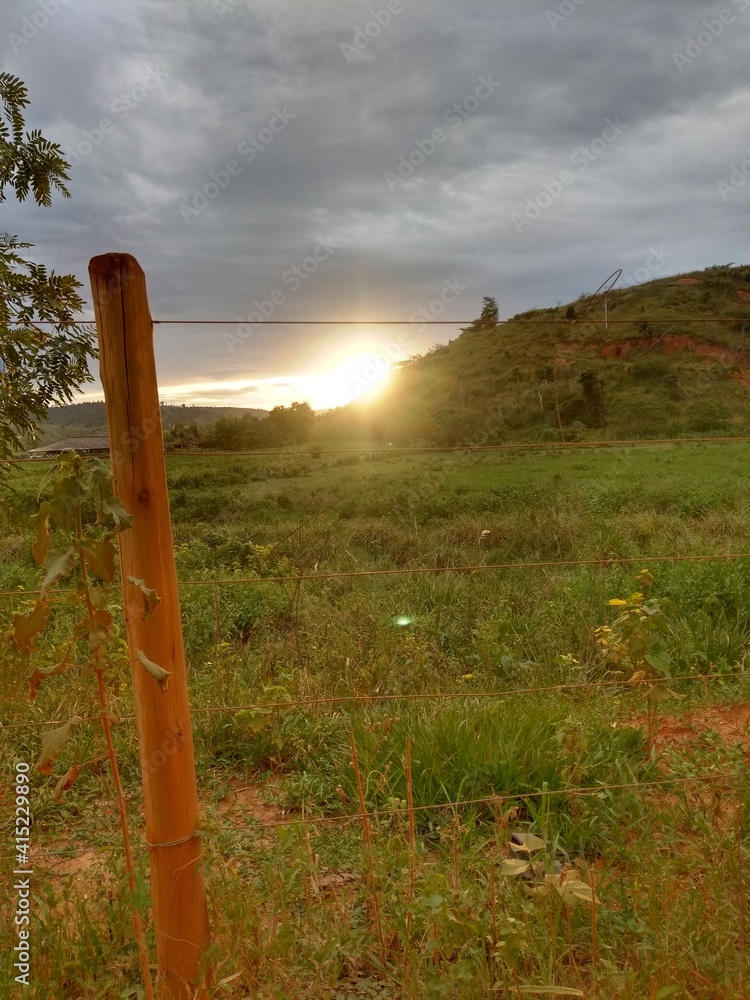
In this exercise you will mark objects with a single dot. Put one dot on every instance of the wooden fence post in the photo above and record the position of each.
(162, 711)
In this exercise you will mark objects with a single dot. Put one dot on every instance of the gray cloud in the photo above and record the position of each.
(225, 69)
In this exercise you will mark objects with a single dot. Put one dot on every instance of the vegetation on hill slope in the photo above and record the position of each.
(673, 360)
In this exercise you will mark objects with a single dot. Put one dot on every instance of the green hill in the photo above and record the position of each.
(89, 419)
(673, 360)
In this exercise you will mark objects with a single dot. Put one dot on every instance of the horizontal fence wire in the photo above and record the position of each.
(434, 696)
(313, 452)
(447, 322)
(416, 322)
(417, 570)
(503, 799)
(499, 801)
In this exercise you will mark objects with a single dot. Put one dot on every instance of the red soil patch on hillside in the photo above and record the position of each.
(674, 343)
(687, 281)
(745, 296)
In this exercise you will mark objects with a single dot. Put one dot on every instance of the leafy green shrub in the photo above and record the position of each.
(708, 415)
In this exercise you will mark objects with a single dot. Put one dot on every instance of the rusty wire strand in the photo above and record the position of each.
(482, 567)
(434, 696)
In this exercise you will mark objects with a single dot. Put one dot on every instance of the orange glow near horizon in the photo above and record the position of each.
(362, 375)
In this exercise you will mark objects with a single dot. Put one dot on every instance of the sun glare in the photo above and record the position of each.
(359, 376)
(336, 379)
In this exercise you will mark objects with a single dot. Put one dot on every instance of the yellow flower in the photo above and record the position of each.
(617, 603)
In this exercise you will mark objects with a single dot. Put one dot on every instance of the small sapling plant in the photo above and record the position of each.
(83, 519)
(633, 644)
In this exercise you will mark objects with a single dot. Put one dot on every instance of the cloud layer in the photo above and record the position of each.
(223, 142)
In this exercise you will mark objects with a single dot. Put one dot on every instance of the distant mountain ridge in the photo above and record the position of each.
(90, 419)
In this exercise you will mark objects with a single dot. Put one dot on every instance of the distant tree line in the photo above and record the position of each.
(284, 425)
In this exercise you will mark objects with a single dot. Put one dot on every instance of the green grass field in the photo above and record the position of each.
(291, 901)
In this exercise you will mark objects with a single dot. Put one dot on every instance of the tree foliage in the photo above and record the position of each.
(488, 318)
(40, 365)
(284, 425)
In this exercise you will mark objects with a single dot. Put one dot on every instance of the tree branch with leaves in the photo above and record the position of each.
(44, 352)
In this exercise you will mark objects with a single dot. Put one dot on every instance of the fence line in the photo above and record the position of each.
(427, 449)
(502, 799)
(482, 567)
(434, 696)
(559, 321)
(498, 801)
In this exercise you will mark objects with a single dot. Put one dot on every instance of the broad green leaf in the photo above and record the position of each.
(162, 676)
(668, 991)
(60, 563)
(529, 845)
(256, 719)
(53, 743)
(26, 626)
(538, 890)
(574, 891)
(100, 555)
(68, 495)
(514, 866)
(151, 599)
(658, 660)
(659, 693)
(638, 647)
(112, 507)
(40, 521)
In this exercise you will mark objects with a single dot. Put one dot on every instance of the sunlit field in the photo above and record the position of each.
(494, 573)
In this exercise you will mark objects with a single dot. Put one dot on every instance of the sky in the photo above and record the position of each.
(369, 160)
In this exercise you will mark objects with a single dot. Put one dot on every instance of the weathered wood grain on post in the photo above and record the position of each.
(128, 374)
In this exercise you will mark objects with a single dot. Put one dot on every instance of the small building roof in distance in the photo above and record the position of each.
(76, 444)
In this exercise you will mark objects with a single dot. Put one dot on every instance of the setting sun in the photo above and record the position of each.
(357, 376)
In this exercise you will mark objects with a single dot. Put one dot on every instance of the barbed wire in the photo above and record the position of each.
(333, 700)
